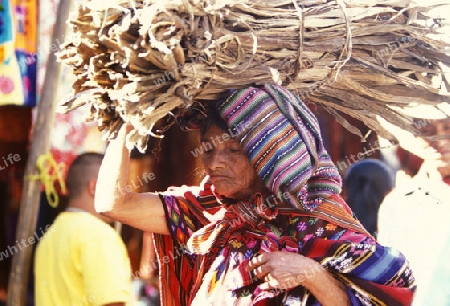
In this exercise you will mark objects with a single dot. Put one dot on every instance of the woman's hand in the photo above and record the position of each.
(286, 270)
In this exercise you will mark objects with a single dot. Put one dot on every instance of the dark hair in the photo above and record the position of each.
(201, 115)
(84, 168)
(212, 118)
(367, 183)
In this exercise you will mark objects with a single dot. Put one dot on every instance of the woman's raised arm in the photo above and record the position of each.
(113, 199)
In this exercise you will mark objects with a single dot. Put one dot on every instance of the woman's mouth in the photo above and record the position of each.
(217, 178)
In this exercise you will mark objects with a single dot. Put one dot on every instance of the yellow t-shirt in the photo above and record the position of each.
(81, 260)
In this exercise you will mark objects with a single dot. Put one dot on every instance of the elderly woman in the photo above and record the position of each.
(267, 225)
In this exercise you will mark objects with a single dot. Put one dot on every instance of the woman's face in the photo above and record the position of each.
(226, 163)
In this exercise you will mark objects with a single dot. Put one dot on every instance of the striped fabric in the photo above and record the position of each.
(372, 274)
(282, 139)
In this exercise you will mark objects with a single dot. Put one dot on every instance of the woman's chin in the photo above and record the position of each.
(224, 190)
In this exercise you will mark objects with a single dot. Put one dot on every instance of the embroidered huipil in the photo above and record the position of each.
(204, 260)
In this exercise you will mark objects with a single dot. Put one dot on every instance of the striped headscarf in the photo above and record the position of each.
(282, 139)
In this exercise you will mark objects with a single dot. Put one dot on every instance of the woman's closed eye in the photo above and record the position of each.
(234, 147)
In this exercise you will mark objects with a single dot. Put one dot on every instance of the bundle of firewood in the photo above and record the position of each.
(138, 61)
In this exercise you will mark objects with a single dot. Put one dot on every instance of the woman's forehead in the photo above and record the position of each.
(215, 131)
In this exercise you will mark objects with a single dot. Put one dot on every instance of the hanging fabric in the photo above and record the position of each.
(18, 52)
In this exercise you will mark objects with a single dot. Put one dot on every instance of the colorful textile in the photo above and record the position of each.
(282, 139)
(373, 274)
(18, 46)
(239, 216)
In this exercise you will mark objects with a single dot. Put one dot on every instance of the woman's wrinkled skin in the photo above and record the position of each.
(231, 172)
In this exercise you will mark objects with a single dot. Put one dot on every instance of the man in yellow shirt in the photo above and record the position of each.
(81, 260)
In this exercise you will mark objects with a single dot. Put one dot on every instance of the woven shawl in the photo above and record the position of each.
(376, 274)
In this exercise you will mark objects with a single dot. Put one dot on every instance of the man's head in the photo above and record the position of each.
(82, 176)
(367, 182)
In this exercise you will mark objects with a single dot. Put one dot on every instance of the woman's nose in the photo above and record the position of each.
(217, 160)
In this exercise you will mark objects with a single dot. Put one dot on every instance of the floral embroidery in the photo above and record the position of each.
(319, 231)
(236, 244)
(313, 221)
(301, 226)
(330, 227)
(251, 244)
(307, 237)
(275, 230)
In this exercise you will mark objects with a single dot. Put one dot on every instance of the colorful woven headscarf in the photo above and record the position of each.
(281, 137)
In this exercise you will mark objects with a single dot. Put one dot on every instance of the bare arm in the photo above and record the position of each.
(326, 288)
(115, 200)
(285, 270)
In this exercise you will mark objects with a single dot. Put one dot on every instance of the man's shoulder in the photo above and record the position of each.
(100, 227)
(88, 228)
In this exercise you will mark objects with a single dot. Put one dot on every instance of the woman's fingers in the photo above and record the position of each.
(280, 270)
(257, 261)
(269, 283)
(260, 271)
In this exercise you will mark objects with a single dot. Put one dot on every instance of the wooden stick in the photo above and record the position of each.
(40, 144)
